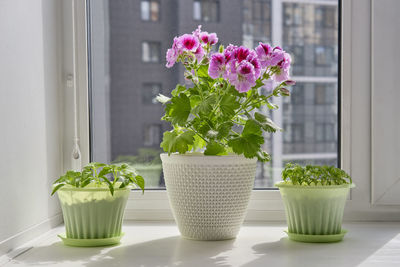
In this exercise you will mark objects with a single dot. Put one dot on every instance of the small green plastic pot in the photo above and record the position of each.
(92, 216)
(314, 210)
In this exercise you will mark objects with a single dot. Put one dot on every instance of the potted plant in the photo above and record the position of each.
(217, 136)
(147, 162)
(314, 199)
(93, 203)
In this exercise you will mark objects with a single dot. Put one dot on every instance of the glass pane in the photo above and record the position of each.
(154, 11)
(196, 10)
(145, 10)
(128, 71)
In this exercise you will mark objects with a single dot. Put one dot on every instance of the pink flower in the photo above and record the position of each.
(199, 53)
(269, 56)
(197, 32)
(253, 59)
(217, 66)
(243, 77)
(241, 53)
(188, 42)
(208, 38)
(284, 66)
(172, 54)
(229, 52)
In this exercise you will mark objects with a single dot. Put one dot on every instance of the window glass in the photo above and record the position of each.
(128, 71)
(206, 10)
(151, 51)
(150, 10)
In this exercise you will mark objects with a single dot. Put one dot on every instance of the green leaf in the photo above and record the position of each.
(224, 129)
(228, 105)
(56, 188)
(270, 126)
(106, 170)
(198, 143)
(263, 156)
(140, 182)
(173, 142)
(250, 141)
(203, 71)
(248, 145)
(259, 83)
(194, 101)
(260, 117)
(179, 109)
(272, 105)
(110, 185)
(252, 128)
(178, 89)
(204, 106)
(214, 148)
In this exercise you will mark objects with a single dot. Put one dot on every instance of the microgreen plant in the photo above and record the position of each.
(100, 174)
(315, 175)
(218, 111)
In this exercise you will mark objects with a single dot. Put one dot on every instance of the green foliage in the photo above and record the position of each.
(315, 175)
(213, 117)
(177, 142)
(149, 156)
(100, 174)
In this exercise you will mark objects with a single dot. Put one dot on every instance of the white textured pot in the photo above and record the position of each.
(208, 194)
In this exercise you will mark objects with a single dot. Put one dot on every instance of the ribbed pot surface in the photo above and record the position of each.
(314, 211)
(208, 194)
(90, 214)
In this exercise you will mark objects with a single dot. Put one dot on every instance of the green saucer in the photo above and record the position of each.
(95, 242)
(316, 238)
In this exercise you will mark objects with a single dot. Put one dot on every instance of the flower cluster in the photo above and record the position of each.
(219, 111)
(240, 66)
(186, 46)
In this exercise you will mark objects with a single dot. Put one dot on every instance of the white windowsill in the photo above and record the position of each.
(159, 244)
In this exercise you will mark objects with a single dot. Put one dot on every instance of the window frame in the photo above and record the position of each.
(201, 11)
(150, 20)
(265, 205)
(150, 43)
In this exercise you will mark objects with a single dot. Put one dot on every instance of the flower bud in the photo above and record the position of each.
(290, 82)
(285, 92)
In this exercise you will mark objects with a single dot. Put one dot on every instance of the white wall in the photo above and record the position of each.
(30, 112)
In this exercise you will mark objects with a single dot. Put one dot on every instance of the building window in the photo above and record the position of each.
(319, 132)
(152, 135)
(287, 133)
(151, 52)
(150, 10)
(323, 56)
(298, 133)
(330, 132)
(293, 133)
(297, 94)
(324, 94)
(150, 92)
(206, 10)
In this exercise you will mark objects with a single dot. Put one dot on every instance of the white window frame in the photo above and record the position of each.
(265, 205)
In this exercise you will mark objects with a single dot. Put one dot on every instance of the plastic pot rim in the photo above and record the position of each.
(200, 158)
(91, 189)
(285, 185)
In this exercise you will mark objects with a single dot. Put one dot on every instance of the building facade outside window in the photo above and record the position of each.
(306, 29)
